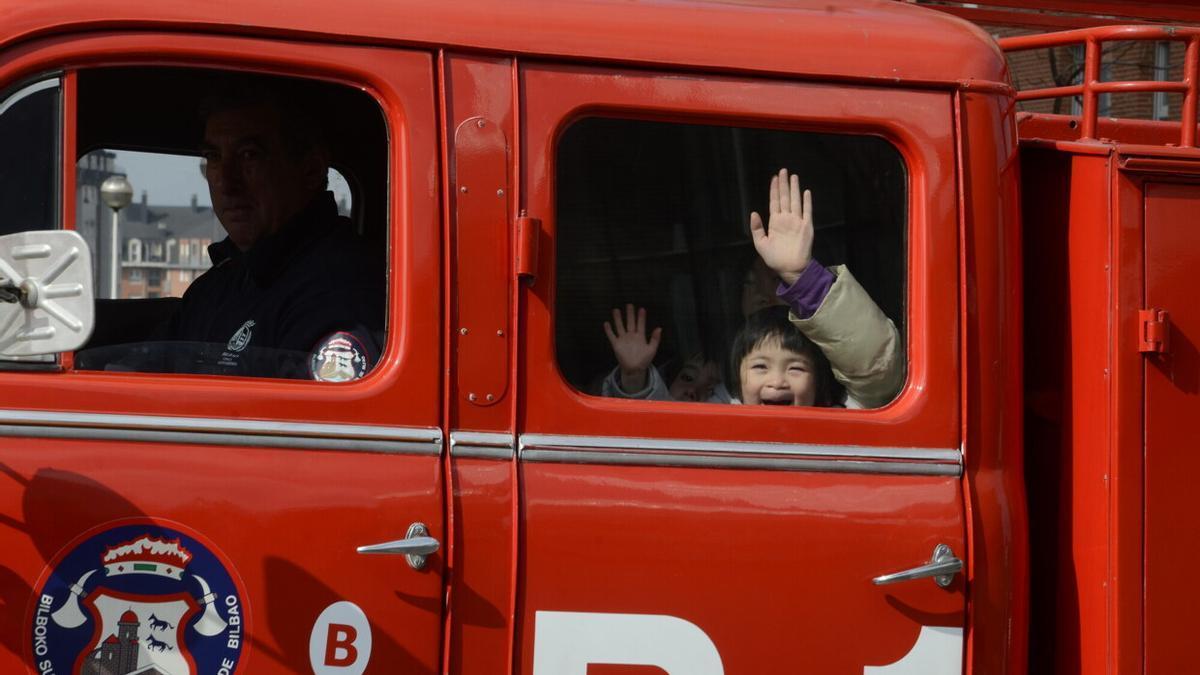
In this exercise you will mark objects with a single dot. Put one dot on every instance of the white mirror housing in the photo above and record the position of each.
(49, 275)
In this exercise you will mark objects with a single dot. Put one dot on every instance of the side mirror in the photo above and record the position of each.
(46, 297)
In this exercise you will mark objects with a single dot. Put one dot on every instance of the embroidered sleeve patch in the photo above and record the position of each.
(340, 357)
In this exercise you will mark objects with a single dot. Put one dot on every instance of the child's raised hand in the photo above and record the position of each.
(630, 345)
(785, 245)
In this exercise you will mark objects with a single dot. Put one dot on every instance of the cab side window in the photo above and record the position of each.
(663, 294)
(30, 138)
(253, 241)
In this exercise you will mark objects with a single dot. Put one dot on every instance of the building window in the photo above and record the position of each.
(135, 275)
(1162, 72)
(1103, 101)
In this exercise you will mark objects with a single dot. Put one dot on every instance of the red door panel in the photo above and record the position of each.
(774, 567)
(283, 523)
(1172, 407)
(709, 539)
(210, 524)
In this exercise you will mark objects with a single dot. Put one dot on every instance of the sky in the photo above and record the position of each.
(171, 180)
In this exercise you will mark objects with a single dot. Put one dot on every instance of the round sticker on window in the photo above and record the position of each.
(339, 358)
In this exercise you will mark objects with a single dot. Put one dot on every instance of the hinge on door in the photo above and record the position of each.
(1154, 331)
(528, 231)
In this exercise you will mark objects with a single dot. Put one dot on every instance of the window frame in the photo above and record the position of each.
(760, 190)
(927, 410)
(400, 83)
(29, 85)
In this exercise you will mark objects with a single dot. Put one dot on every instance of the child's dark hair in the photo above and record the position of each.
(773, 323)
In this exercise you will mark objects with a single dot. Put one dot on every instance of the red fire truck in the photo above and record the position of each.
(475, 504)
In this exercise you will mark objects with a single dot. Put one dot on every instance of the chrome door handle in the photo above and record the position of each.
(942, 567)
(415, 546)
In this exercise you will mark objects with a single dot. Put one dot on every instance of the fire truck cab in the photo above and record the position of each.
(479, 501)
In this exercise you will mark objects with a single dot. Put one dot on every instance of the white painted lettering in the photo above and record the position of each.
(233, 638)
(938, 651)
(40, 648)
(565, 643)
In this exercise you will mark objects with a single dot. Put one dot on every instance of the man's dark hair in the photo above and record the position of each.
(772, 323)
(302, 133)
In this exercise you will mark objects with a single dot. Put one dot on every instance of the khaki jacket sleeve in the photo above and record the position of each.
(860, 341)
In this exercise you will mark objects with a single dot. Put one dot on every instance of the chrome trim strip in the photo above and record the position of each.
(735, 462)
(27, 91)
(221, 425)
(481, 445)
(714, 454)
(550, 442)
(217, 431)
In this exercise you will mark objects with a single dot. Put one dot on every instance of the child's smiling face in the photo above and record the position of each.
(771, 374)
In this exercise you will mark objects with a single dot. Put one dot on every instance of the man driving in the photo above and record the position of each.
(293, 291)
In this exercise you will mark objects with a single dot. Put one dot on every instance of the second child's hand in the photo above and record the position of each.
(634, 351)
(785, 244)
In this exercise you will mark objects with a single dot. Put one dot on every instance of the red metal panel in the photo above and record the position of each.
(481, 239)
(1154, 10)
(988, 17)
(480, 628)
(287, 521)
(70, 95)
(1172, 408)
(844, 39)
(774, 567)
(482, 549)
(1126, 475)
(991, 359)
(1068, 423)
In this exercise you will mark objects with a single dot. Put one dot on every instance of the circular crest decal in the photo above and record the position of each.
(339, 358)
(138, 597)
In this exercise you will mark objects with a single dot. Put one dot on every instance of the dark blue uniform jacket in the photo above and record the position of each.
(267, 311)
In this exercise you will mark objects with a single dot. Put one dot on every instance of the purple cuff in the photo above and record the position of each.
(806, 295)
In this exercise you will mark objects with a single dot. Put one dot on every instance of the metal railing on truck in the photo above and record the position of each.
(1092, 86)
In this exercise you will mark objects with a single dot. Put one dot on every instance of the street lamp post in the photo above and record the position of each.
(116, 193)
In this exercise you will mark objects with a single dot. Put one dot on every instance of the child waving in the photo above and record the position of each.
(827, 304)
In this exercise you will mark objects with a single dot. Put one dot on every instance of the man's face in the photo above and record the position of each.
(256, 183)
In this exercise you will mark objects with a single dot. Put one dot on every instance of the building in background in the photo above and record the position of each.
(1064, 66)
(163, 248)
